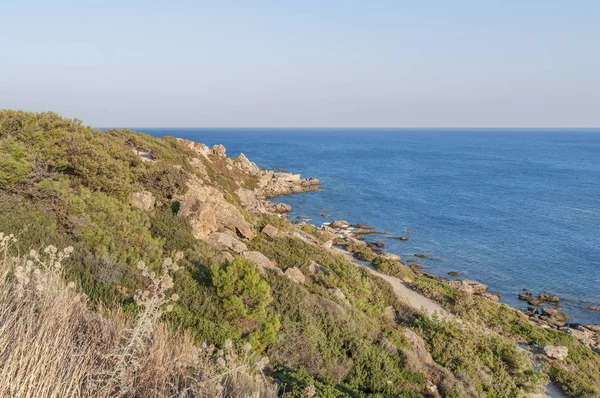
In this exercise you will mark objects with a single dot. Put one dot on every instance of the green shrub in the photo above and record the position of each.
(393, 267)
(245, 296)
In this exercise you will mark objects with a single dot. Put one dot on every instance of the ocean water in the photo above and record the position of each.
(515, 209)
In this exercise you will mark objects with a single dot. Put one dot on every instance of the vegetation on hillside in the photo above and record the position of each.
(342, 333)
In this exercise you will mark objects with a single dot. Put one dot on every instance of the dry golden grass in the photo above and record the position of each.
(52, 345)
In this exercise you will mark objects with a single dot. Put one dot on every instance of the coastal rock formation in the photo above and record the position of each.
(207, 211)
(588, 335)
(469, 286)
(272, 184)
(143, 200)
(340, 224)
(490, 296)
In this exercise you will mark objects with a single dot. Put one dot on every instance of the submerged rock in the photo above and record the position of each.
(550, 298)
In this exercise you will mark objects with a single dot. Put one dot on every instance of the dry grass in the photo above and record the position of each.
(52, 345)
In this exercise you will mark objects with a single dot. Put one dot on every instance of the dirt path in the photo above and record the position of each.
(419, 302)
(403, 292)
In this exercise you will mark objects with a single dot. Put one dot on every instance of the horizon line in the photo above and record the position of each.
(351, 128)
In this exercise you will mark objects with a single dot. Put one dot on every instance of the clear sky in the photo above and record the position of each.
(345, 63)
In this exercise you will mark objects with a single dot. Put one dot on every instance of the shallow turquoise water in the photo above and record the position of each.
(511, 208)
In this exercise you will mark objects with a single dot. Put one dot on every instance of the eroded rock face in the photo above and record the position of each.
(469, 286)
(218, 150)
(224, 241)
(207, 211)
(143, 200)
(271, 184)
(295, 274)
(197, 147)
(246, 165)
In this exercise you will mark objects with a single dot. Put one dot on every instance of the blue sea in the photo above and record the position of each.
(514, 209)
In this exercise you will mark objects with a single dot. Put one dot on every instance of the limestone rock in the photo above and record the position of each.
(271, 184)
(490, 296)
(390, 314)
(469, 286)
(218, 150)
(281, 208)
(341, 224)
(551, 351)
(327, 245)
(224, 241)
(207, 211)
(246, 165)
(261, 261)
(198, 165)
(271, 231)
(195, 146)
(306, 237)
(314, 268)
(143, 200)
(295, 274)
(226, 256)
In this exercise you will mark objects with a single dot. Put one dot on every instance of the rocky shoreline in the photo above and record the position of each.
(543, 310)
(218, 220)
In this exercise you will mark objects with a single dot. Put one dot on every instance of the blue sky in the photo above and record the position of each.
(304, 63)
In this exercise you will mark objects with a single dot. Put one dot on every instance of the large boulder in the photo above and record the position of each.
(469, 286)
(224, 241)
(207, 211)
(143, 200)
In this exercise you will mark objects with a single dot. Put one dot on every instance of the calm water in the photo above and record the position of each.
(513, 209)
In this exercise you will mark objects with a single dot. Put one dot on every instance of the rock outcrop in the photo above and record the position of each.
(207, 211)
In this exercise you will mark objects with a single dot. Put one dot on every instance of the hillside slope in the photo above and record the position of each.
(250, 275)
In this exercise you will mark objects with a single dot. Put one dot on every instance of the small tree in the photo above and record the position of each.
(245, 296)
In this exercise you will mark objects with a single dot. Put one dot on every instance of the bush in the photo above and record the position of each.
(245, 296)
(394, 268)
